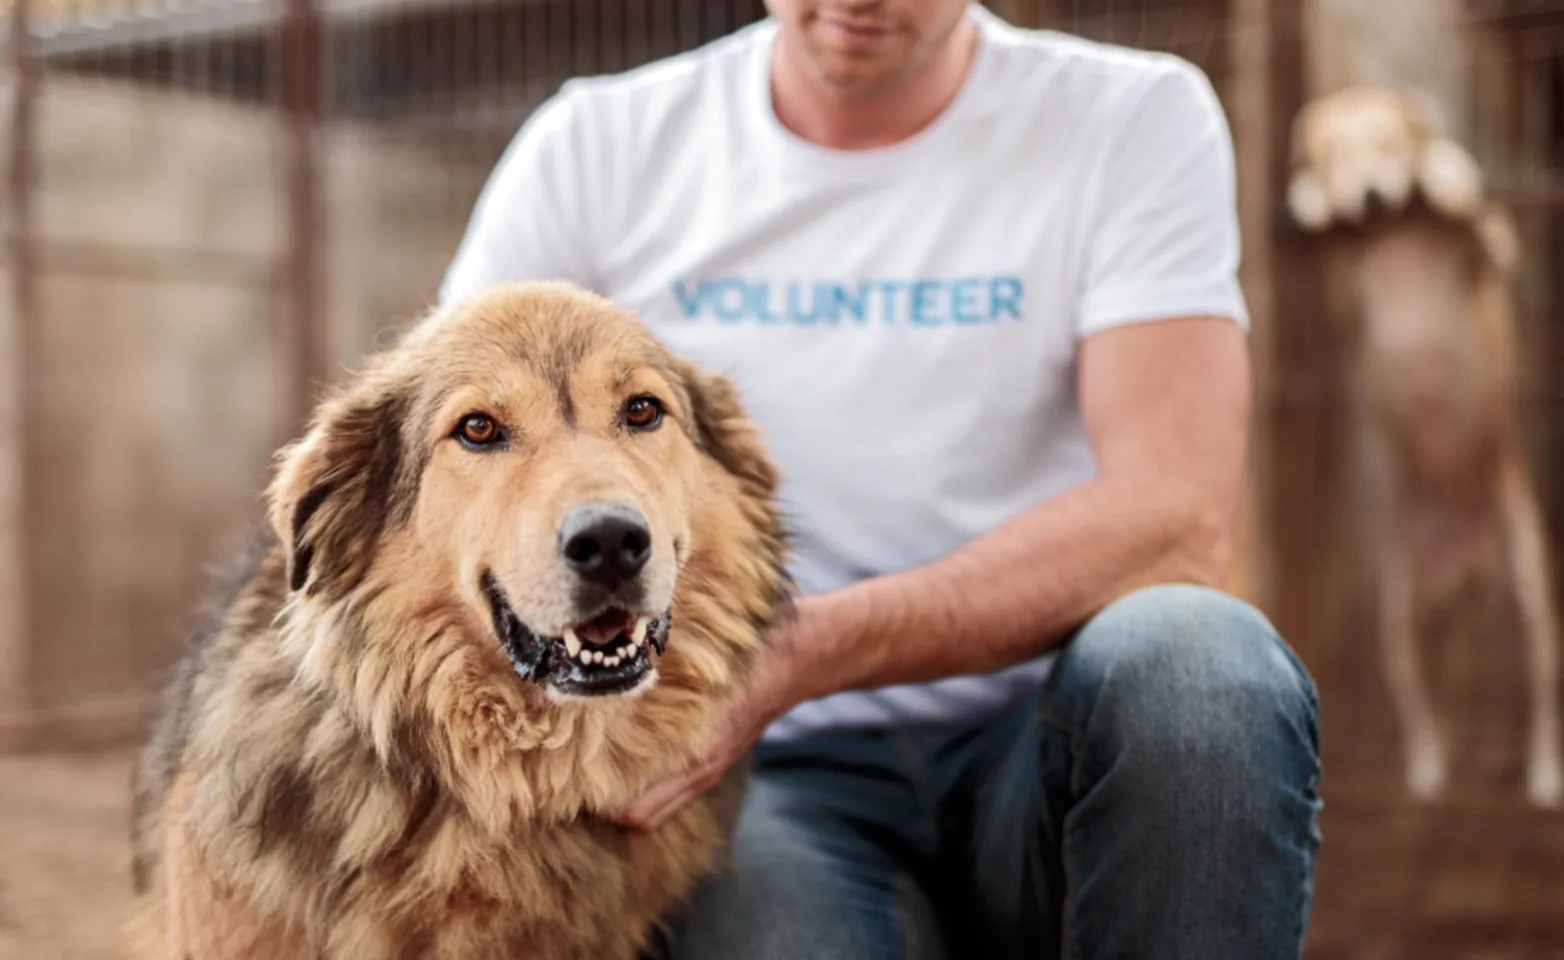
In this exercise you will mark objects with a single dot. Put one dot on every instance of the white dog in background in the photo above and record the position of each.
(1432, 257)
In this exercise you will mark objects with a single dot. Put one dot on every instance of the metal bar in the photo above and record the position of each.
(204, 267)
(86, 34)
(16, 339)
(66, 725)
(297, 66)
(1248, 95)
(1296, 450)
(1531, 199)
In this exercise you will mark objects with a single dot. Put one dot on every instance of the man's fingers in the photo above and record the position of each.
(664, 799)
(641, 813)
(647, 809)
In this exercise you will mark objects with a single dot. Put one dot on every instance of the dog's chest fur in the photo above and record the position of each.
(384, 863)
(283, 808)
(1424, 365)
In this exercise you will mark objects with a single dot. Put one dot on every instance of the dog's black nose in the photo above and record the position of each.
(607, 542)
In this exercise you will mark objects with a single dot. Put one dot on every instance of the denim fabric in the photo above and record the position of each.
(1157, 798)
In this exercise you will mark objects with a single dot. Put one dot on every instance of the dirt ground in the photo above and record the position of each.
(1474, 882)
(64, 856)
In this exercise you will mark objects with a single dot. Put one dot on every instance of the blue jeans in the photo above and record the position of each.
(1157, 798)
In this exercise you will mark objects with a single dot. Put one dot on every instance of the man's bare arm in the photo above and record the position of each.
(1166, 405)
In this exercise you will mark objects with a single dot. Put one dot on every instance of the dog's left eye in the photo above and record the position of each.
(477, 430)
(643, 413)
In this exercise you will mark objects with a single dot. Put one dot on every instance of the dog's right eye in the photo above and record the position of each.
(479, 431)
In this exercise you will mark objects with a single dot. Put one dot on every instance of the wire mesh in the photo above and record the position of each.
(168, 236)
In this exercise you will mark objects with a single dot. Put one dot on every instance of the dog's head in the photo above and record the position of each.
(1365, 150)
(530, 484)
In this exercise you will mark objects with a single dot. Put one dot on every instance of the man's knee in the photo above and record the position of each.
(1186, 680)
(798, 884)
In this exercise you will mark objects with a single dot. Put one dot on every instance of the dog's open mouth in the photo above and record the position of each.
(610, 653)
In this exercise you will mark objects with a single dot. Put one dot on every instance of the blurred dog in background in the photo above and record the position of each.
(1432, 257)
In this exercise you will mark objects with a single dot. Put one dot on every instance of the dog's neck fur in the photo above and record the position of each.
(422, 808)
(517, 757)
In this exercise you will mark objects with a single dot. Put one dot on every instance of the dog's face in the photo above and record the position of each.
(533, 459)
(561, 472)
(1366, 145)
(1362, 155)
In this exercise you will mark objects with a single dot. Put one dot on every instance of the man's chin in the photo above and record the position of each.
(857, 78)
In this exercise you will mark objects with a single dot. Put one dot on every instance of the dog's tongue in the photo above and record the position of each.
(605, 628)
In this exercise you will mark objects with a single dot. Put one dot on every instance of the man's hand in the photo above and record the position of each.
(1166, 406)
(776, 688)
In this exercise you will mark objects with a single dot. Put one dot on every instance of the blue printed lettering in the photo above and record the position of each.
(689, 302)
(888, 301)
(729, 310)
(853, 303)
(759, 305)
(1004, 296)
(795, 310)
(963, 306)
(922, 302)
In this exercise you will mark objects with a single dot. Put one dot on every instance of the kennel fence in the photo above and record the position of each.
(214, 206)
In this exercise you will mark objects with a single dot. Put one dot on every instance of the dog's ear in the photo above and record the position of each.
(1423, 113)
(723, 430)
(720, 427)
(340, 486)
(1299, 135)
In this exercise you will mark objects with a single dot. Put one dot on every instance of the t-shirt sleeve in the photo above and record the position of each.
(1165, 241)
(530, 221)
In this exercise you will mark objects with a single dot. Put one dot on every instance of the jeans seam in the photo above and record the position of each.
(918, 778)
(902, 917)
(1302, 898)
(1068, 852)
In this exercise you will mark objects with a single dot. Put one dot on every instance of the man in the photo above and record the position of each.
(977, 286)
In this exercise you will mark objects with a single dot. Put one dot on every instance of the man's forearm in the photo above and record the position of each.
(1010, 594)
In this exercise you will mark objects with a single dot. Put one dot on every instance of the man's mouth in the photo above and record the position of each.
(607, 654)
(855, 34)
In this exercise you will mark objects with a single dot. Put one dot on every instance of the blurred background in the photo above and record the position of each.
(212, 207)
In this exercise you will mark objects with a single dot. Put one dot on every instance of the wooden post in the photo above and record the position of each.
(1248, 97)
(1024, 13)
(16, 326)
(1295, 353)
(298, 87)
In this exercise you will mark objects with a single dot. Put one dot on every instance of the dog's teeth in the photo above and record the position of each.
(597, 656)
(572, 643)
(622, 653)
(611, 662)
(638, 635)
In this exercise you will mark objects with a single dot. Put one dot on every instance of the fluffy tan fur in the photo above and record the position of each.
(346, 765)
(1432, 257)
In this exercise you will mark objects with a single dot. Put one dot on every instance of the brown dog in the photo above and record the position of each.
(1432, 258)
(516, 566)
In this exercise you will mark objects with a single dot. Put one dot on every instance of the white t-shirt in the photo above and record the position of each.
(901, 322)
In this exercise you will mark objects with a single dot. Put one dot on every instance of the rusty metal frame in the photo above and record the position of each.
(16, 526)
(298, 90)
(1294, 367)
(1248, 95)
(167, 264)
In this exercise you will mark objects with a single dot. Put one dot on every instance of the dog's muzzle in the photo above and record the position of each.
(609, 654)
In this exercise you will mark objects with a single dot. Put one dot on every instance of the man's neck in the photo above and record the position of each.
(815, 111)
